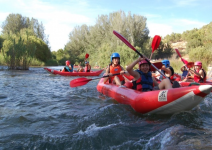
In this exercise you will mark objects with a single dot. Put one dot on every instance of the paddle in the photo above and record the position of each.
(156, 39)
(190, 64)
(155, 44)
(83, 81)
(86, 55)
(183, 60)
(156, 64)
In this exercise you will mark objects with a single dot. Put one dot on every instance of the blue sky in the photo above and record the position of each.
(59, 17)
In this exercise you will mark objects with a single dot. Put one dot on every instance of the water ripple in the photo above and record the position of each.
(39, 110)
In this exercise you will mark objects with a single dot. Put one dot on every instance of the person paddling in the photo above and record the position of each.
(87, 67)
(198, 74)
(166, 69)
(80, 68)
(143, 80)
(115, 68)
(68, 67)
(185, 71)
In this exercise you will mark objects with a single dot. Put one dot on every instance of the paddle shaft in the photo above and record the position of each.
(181, 58)
(106, 76)
(123, 39)
(83, 81)
(150, 56)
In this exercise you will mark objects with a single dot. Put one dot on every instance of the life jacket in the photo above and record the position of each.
(115, 70)
(172, 71)
(199, 79)
(185, 72)
(86, 68)
(144, 83)
(68, 69)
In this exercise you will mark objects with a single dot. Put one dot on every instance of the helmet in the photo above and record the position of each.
(114, 55)
(166, 62)
(67, 62)
(198, 63)
(143, 62)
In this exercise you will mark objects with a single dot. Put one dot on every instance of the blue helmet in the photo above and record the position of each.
(114, 55)
(166, 63)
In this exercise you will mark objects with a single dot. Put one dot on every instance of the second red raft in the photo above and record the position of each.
(92, 73)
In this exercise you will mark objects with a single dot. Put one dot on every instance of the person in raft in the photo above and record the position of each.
(143, 80)
(198, 74)
(87, 67)
(68, 67)
(113, 68)
(166, 69)
(185, 71)
(80, 68)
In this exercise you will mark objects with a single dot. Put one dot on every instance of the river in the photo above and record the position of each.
(40, 111)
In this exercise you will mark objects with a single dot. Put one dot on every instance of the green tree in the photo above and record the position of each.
(14, 23)
(18, 52)
(1, 42)
(99, 40)
(202, 54)
(164, 51)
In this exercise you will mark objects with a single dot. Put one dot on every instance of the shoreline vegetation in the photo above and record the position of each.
(175, 62)
(27, 44)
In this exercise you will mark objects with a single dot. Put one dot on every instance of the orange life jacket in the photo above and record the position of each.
(115, 70)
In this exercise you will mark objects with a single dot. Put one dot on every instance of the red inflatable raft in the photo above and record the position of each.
(158, 102)
(92, 73)
(184, 84)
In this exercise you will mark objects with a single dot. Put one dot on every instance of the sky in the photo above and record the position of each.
(59, 17)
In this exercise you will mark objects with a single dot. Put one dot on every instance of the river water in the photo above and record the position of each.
(40, 111)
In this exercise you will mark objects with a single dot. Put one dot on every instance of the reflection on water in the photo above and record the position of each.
(40, 111)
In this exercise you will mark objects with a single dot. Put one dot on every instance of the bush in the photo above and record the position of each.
(2, 59)
(51, 62)
(36, 62)
(202, 54)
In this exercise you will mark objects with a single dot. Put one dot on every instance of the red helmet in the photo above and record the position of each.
(67, 62)
(198, 63)
(143, 62)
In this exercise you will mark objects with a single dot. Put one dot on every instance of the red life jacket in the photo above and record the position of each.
(115, 70)
(199, 79)
(87, 68)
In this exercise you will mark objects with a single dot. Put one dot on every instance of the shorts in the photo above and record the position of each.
(122, 82)
(156, 88)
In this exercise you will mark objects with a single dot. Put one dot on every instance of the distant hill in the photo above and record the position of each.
(179, 45)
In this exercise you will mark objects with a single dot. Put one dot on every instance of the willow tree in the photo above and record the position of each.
(14, 23)
(18, 51)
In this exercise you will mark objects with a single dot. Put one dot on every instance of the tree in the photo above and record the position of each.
(164, 51)
(18, 52)
(1, 42)
(14, 23)
(99, 40)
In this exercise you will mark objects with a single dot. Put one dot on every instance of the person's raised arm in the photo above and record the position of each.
(167, 71)
(130, 70)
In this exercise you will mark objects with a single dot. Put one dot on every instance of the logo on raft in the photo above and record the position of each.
(162, 96)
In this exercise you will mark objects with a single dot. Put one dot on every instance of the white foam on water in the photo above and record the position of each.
(93, 130)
